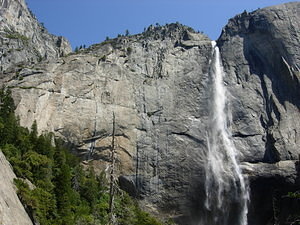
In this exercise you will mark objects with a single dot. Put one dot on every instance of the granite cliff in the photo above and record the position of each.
(23, 39)
(158, 85)
(155, 83)
(261, 58)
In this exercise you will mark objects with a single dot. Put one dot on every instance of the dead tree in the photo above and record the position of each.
(112, 175)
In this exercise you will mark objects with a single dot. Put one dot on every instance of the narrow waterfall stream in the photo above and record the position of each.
(226, 189)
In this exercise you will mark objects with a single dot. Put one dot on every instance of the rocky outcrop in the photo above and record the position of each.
(158, 84)
(12, 211)
(269, 186)
(25, 41)
(261, 58)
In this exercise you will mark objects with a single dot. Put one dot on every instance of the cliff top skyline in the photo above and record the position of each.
(90, 22)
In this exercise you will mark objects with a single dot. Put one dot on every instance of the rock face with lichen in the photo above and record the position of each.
(158, 84)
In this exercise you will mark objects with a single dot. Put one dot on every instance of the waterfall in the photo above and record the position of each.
(226, 189)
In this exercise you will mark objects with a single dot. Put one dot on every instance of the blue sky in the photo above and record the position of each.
(91, 21)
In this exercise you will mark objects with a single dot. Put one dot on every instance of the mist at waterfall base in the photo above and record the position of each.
(226, 190)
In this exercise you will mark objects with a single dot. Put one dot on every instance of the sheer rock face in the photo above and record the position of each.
(159, 87)
(261, 57)
(156, 83)
(11, 209)
(23, 39)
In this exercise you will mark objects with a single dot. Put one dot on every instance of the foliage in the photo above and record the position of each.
(103, 58)
(295, 195)
(77, 49)
(18, 36)
(129, 50)
(53, 185)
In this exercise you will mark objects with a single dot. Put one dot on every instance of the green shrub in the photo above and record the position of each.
(129, 50)
(294, 195)
(17, 36)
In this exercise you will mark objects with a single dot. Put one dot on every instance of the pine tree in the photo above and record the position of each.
(63, 190)
(7, 105)
(8, 121)
(34, 133)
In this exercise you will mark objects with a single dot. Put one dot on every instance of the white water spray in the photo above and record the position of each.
(226, 189)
